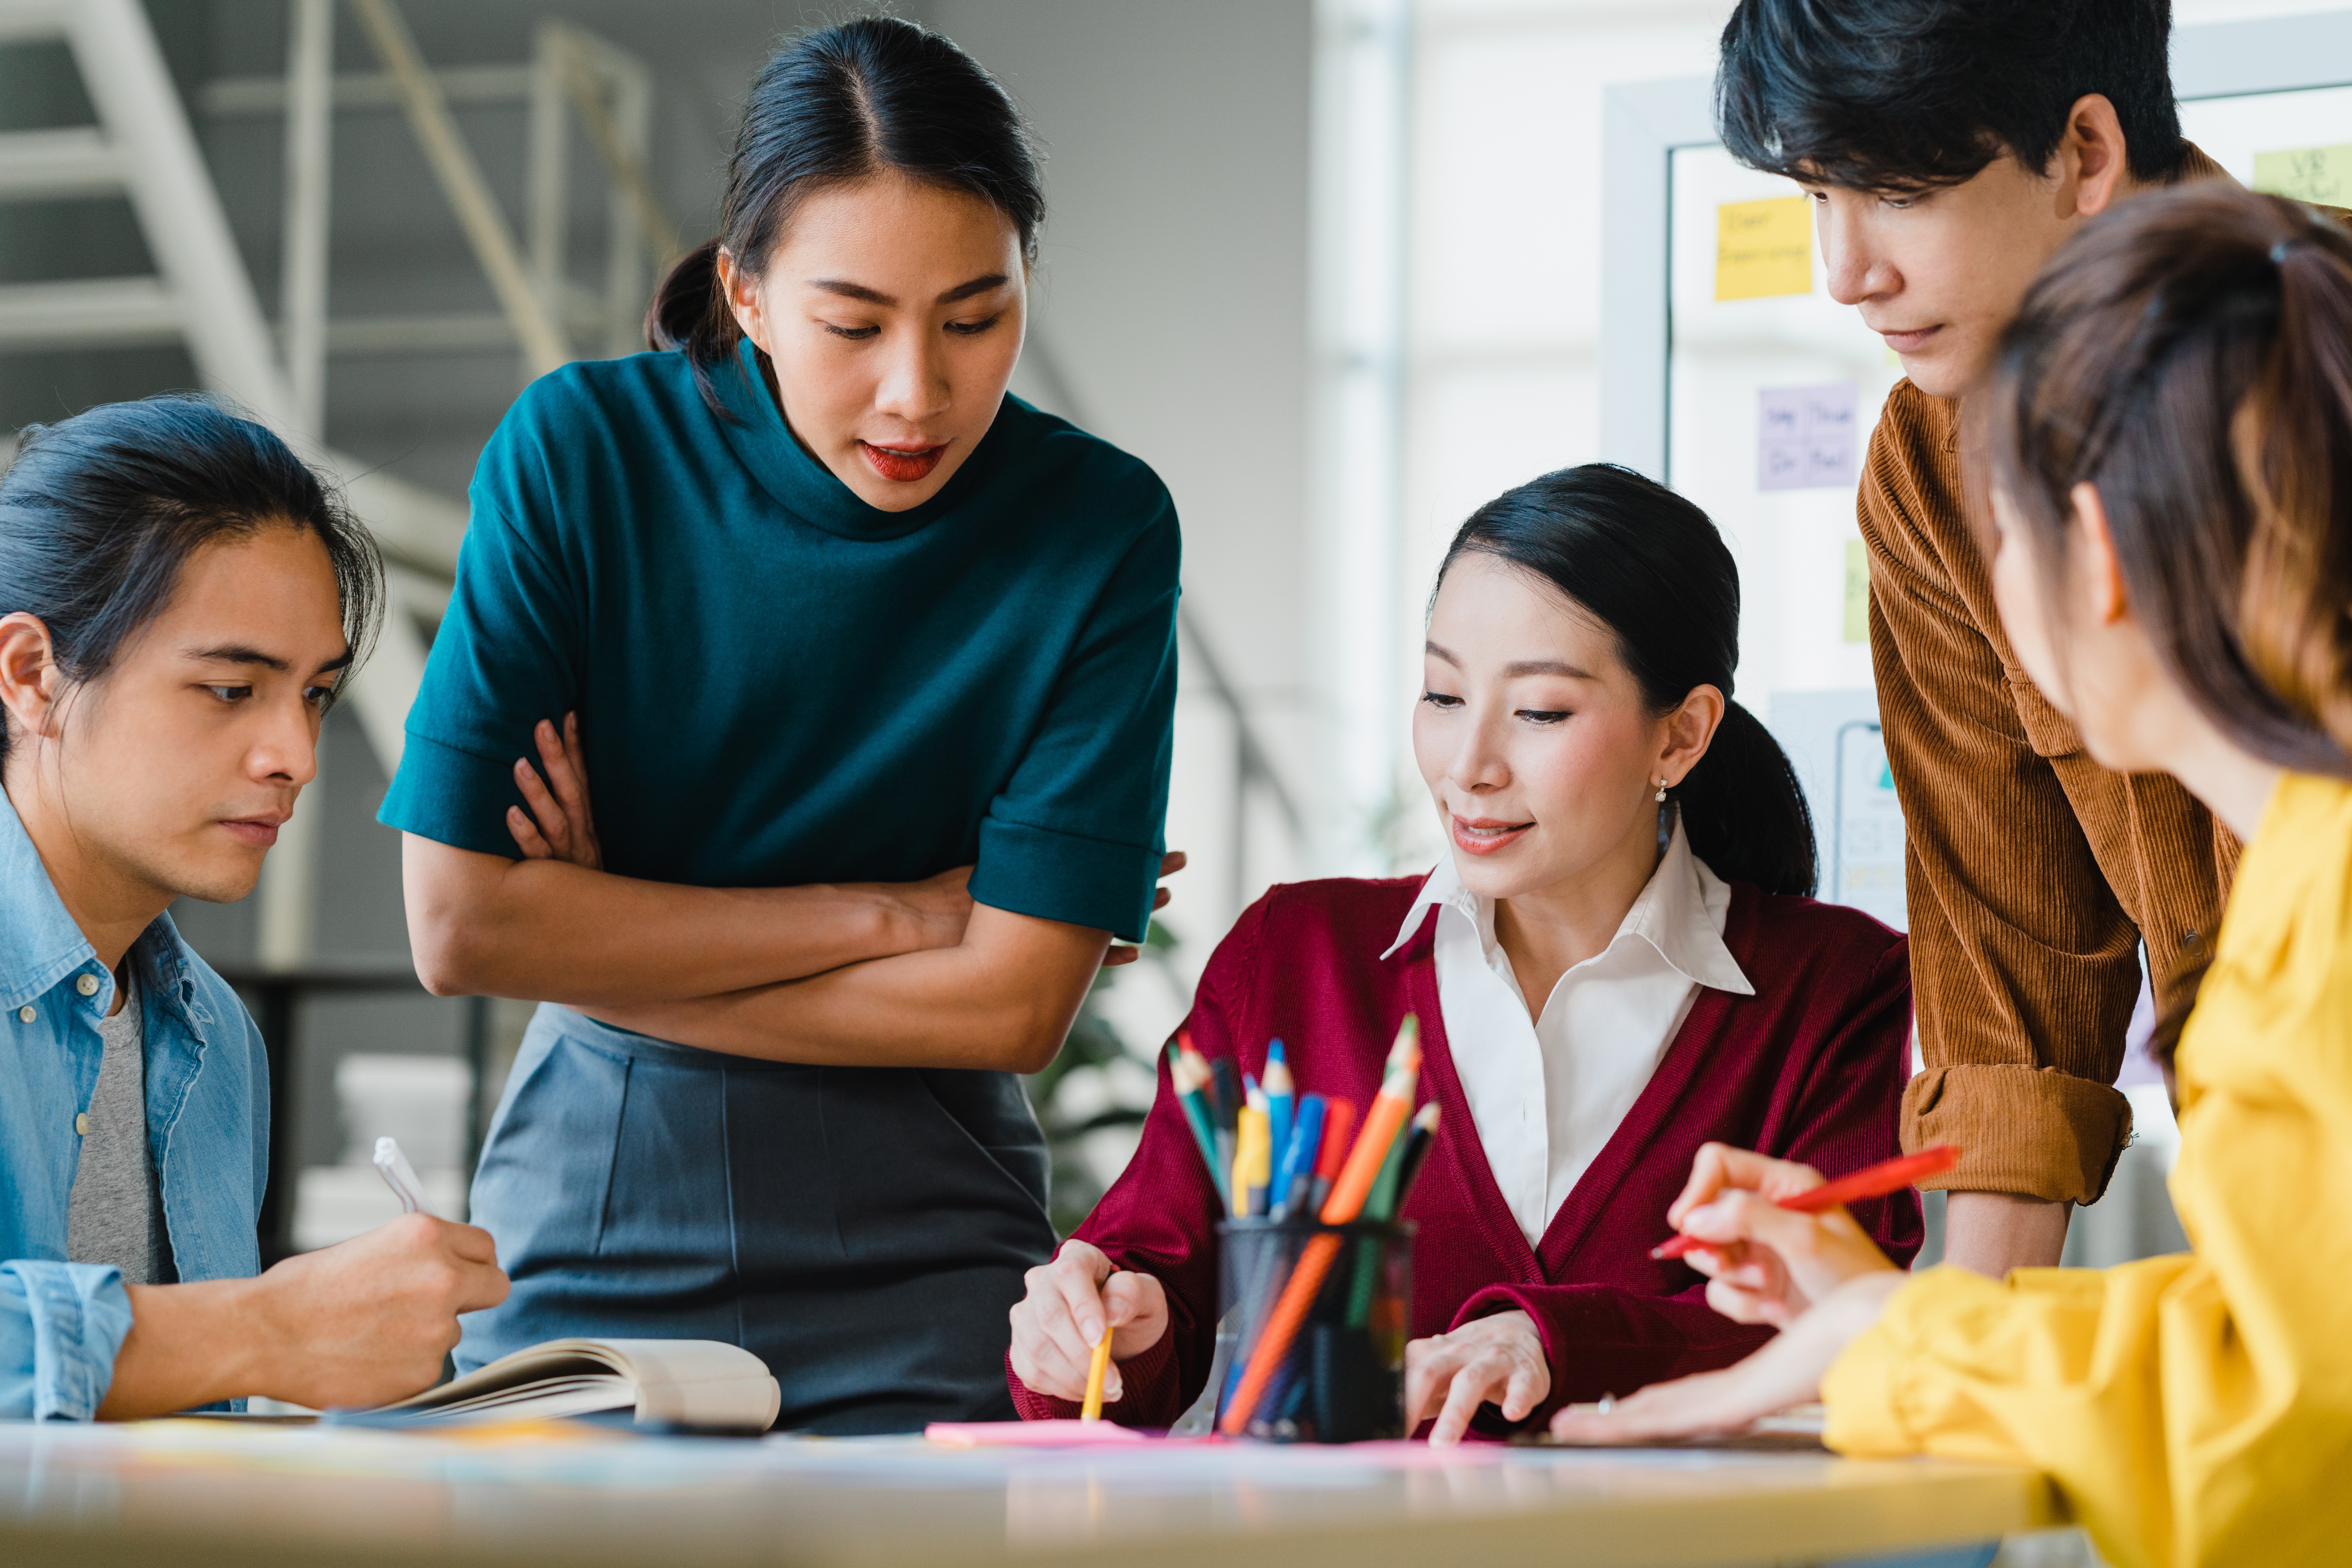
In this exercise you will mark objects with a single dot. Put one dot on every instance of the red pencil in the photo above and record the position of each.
(1870, 1181)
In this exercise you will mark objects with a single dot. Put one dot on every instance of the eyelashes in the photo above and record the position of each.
(954, 329)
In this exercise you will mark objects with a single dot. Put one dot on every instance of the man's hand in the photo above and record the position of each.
(1072, 1302)
(1497, 1360)
(369, 1322)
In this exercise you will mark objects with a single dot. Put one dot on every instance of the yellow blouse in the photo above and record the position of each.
(2192, 1409)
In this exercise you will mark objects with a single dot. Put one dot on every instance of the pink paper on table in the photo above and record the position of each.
(1030, 1433)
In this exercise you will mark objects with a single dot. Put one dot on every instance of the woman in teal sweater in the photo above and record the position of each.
(873, 668)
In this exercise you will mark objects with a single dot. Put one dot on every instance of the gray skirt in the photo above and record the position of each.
(862, 1230)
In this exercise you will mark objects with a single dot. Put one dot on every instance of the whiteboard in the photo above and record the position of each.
(1767, 403)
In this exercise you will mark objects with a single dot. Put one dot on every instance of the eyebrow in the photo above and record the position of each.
(1520, 667)
(240, 653)
(1546, 666)
(986, 283)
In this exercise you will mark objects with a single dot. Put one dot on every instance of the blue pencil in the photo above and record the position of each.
(1299, 1160)
(1280, 1095)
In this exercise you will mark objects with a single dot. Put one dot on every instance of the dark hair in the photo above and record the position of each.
(2191, 355)
(99, 513)
(1897, 95)
(1651, 567)
(838, 104)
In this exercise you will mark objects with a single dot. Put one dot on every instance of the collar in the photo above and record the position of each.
(40, 944)
(806, 487)
(1679, 915)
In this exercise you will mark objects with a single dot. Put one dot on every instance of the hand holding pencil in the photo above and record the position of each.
(1072, 1307)
(1769, 1249)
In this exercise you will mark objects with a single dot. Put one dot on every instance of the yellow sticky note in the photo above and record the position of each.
(1762, 249)
(2306, 174)
(1857, 591)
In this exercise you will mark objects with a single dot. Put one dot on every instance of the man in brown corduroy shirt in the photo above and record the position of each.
(1950, 146)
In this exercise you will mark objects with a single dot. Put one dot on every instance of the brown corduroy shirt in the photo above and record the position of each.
(2034, 875)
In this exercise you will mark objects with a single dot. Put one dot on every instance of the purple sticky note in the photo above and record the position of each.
(1804, 436)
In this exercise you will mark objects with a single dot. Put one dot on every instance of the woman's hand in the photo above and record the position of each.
(1119, 952)
(1786, 1372)
(1497, 1360)
(565, 828)
(1766, 1264)
(1072, 1302)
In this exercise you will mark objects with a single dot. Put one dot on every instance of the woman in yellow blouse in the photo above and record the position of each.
(2167, 440)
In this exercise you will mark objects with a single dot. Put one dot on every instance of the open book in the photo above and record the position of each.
(699, 1383)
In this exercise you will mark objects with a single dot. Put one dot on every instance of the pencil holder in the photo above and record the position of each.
(1320, 1313)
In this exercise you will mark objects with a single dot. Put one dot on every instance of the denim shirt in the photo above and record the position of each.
(207, 1128)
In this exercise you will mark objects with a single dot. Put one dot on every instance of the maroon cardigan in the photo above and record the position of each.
(1810, 1067)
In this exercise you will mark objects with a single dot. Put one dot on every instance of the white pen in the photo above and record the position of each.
(400, 1176)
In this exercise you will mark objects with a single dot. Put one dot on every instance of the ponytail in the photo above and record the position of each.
(1745, 812)
(1651, 567)
(688, 313)
(879, 95)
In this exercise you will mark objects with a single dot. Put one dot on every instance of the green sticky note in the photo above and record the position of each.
(2322, 174)
(1857, 592)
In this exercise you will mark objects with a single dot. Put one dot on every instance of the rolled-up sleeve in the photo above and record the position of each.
(2024, 962)
(61, 1325)
(1075, 834)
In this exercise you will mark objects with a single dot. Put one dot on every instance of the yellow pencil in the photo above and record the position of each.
(1092, 1409)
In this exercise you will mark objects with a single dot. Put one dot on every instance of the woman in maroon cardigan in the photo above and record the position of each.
(1629, 845)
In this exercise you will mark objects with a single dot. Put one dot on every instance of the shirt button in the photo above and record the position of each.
(87, 985)
(26, 1015)
(82, 1122)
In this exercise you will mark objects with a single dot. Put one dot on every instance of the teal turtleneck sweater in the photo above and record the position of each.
(779, 684)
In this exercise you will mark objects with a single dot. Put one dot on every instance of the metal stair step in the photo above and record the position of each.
(87, 312)
(47, 166)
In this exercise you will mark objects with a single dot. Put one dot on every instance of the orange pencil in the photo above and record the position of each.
(1870, 1181)
(1382, 1123)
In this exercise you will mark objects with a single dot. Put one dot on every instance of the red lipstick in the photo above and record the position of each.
(902, 465)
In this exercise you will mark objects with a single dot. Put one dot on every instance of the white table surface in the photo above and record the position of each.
(200, 1492)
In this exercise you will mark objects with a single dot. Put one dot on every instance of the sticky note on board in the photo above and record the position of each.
(1763, 249)
(1857, 591)
(2322, 174)
(1805, 437)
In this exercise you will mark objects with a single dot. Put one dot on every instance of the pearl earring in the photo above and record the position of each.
(1661, 792)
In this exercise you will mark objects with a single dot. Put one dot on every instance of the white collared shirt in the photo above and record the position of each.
(1548, 1093)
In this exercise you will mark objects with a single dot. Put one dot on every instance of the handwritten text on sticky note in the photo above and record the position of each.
(1804, 436)
(2321, 174)
(1762, 249)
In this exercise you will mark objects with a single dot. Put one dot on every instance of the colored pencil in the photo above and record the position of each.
(1338, 1121)
(1187, 1074)
(1381, 1125)
(1096, 1369)
(1227, 1084)
(1297, 1163)
(1388, 1192)
(1870, 1181)
(1251, 1171)
(1281, 1099)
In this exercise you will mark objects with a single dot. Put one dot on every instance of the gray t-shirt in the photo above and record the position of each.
(116, 1213)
